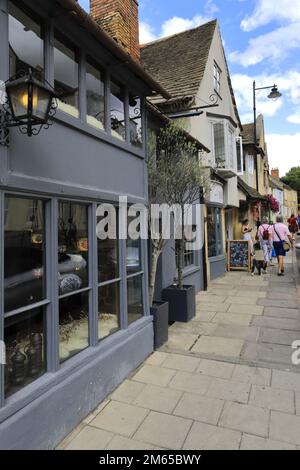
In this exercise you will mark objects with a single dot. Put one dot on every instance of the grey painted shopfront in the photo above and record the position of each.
(74, 310)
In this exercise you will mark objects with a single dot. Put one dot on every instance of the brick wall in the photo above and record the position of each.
(119, 18)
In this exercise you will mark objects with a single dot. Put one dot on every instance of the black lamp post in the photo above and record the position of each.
(29, 105)
(273, 95)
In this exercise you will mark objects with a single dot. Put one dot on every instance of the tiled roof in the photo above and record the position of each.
(178, 62)
(248, 131)
(250, 192)
(275, 183)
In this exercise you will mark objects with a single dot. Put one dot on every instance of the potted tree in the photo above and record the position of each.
(175, 178)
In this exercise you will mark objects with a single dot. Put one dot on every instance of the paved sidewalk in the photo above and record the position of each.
(223, 381)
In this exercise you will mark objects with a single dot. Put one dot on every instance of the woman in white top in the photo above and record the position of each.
(246, 232)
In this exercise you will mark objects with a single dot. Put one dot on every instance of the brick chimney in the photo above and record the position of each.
(120, 19)
(275, 173)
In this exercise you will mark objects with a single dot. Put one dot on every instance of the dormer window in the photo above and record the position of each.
(217, 78)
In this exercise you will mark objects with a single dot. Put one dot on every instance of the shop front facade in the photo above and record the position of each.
(74, 308)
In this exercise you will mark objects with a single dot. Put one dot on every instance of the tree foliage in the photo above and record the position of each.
(292, 178)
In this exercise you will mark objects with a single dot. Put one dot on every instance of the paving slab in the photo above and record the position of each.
(203, 306)
(156, 358)
(250, 300)
(94, 413)
(209, 298)
(291, 313)
(154, 375)
(281, 295)
(157, 398)
(259, 443)
(186, 381)
(127, 391)
(284, 337)
(247, 333)
(218, 346)
(286, 380)
(179, 362)
(193, 327)
(199, 408)
(216, 291)
(90, 438)
(245, 418)
(248, 309)
(285, 427)
(297, 401)
(182, 341)
(272, 399)
(252, 293)
(120, 418)
(207, 437)
(278, 303)
(123, 443)
(232, 319)
(279, 323)
(164, 430)
(205, 316)
(229, 390)
(267, 352)
(252, 375)
(219, 369)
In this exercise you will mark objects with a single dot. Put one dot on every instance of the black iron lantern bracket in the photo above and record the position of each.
(27, 103)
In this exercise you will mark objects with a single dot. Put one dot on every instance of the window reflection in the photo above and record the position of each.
(134, 298)
(135, 121)
(117, 111)
(72, 247)
(109, 309)
(25, 349)
(108, 260)
(73, 325)
(133, 251)
(25, 43)
(66, 75)
(95, 96)
(24, 252)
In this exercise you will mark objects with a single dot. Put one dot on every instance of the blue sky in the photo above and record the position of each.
(262, 42)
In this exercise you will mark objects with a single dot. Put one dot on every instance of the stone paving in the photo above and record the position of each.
(223, 381)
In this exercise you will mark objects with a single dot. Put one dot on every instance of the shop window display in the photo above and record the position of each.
(73, 252)
(134, 298)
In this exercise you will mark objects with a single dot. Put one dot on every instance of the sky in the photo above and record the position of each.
(262, 42)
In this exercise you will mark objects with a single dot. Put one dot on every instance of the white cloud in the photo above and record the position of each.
(283, 151)
(177, 25)
(146, 33)
(269, 10)
(294, 118)
(274, 45)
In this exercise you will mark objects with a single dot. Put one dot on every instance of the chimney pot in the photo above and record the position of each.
(275, 173)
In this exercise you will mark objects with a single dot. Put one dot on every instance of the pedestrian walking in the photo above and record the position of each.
(280, 235)
(246, 232)
(264, 237)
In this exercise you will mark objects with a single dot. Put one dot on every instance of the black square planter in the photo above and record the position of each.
(160, 313)
(182, 305)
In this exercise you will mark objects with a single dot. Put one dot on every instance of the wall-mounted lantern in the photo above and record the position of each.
(30, 104)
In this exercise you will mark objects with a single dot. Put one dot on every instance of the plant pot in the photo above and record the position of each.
(160, 313)
(182, 305)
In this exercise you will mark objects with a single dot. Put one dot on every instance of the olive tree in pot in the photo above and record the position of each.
(175, 178)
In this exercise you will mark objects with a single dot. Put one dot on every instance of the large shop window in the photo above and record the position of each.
(73, 278)
(26, 45)
(214, 231)
(66, 76)
(134, 279)
(95, 95)
(24, 287)
(117, 112)
(135, 121)
(109, 286)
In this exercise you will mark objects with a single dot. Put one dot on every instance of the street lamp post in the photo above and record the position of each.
(273, 95)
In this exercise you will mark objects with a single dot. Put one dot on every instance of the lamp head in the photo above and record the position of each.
(274, 94)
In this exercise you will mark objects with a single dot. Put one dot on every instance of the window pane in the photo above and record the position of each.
(239, 156)
(135, 116)
(108, 257)
(109, 310)
(133, 256)
(72, 247)
(95, 96)
(117, 111)
(66, 76)
(134, 299)
(25, 43)
(211, 232)
(219, 231)
(73, 325)
(219, 142)
(24, 252)
(24, 336)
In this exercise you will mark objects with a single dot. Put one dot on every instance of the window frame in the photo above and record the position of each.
(219, 238)
(217, 77)
(240, 157)
(250, 164)
(229, 134)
